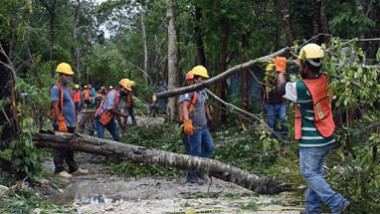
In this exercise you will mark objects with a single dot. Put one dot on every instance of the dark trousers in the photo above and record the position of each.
(64, 154)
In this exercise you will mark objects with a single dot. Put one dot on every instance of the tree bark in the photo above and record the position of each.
(222, 67)
(201, 58)
(145, 46)
(173, 59)
(285, 17)
(51, 11)
(75, 53)
(324, 23)
(144, 155)
(244, 74)
(157, 63)
(8, 108)
(316, 20)
(220, 77)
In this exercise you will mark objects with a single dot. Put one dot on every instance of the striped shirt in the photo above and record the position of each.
(310, 137)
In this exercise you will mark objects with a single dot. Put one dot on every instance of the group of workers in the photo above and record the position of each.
(314, 125)
(66, 104)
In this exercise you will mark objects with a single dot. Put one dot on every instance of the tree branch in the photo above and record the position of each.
(220, 77)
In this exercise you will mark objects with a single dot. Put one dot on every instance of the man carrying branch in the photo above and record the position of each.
(314, 126)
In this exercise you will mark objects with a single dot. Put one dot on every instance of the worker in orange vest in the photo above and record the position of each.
(314, 125)
(196, 115)
(64, 120)
(86, 96)
(77, 98)
(109, 109)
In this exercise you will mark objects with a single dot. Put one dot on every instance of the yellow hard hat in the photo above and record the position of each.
(76, 86)
(133, 83)
(311, 51)
(270, 67)
(200, 71)
(85, 86)
(64, 68)
(126, 83)
(110, 87)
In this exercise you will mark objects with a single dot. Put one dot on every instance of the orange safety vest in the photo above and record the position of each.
(60, 118)
(323, 118)
(189, 107)
(76, 96)
(107, 115)
(86, 94)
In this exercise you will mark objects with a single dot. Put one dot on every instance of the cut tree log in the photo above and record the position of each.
(144, 155)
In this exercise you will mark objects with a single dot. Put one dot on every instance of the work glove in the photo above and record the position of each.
(280, 63)
(188, 127)
(62, 124)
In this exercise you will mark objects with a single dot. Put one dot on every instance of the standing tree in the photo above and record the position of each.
(173, 59)
(52, 15)
(285, 17)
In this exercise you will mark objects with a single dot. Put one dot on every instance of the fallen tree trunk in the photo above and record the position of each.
(144, 155)
(220, 77)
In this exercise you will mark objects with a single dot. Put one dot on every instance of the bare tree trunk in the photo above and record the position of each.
(144, 155)
(75, 50)
(173, 59)
(145, 46)
(316, 20)
(324, 23)
(7, 108)
(222, 67)
(244, 74)
(285, 17)
(156, 62)
(201, 58)
(51, 11)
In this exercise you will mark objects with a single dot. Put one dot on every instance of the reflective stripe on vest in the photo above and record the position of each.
(76, 96)
(323, 119)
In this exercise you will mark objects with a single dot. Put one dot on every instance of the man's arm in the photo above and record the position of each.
(279, 81)
(55, 108)
(185, 110)
(208, 112)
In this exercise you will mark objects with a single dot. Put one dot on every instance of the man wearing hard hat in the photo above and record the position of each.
(314, 126)
(64, 120)
(110, 108)
(195, 113)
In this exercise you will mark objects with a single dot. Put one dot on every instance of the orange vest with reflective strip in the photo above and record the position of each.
(76, 96)
(107, 115)
(60, 106)
(86, 94)
(323, 118)
(189, 107)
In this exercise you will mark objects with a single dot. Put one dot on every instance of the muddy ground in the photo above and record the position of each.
(101, 192)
